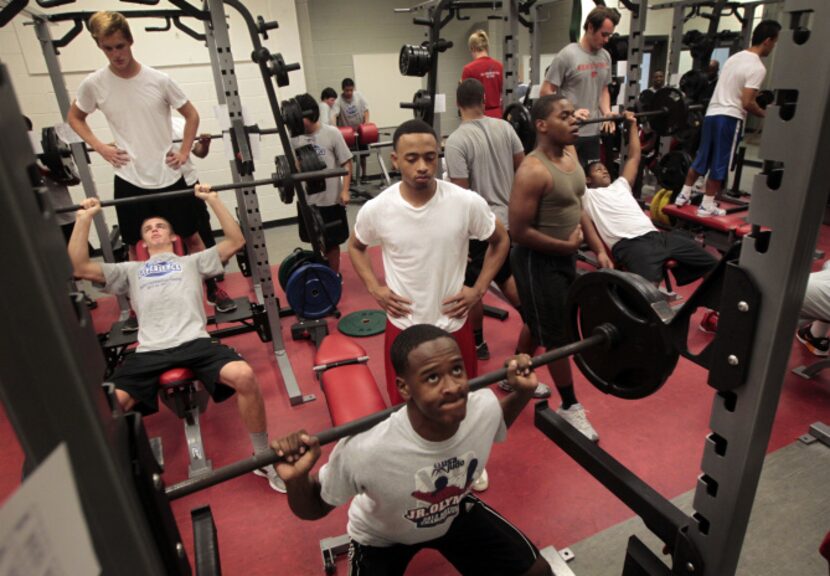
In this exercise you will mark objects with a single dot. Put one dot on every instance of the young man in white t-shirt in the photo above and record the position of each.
(733, 98)
(635, 244)
(424, 226)
(136, 101)
(409, 477)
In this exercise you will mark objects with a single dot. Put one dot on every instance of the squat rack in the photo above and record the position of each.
(242, 167)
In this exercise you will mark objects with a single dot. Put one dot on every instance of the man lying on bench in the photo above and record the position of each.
(166, 294)
(635, 243)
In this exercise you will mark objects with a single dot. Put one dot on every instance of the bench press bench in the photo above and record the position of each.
(720, 232)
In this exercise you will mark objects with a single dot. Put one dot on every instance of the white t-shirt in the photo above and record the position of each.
(615, 212)
(425, 248)
(166, 294)
(187, 169)
(407, 489)
(742, 70)
(138, 113)
(325, 113)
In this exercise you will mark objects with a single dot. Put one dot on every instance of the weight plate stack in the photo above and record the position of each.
(313, 291)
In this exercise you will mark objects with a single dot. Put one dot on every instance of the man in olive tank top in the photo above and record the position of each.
(547, 226)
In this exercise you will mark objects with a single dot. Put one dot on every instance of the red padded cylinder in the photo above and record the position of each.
(349, 135)
(175, 376)
(368, 133)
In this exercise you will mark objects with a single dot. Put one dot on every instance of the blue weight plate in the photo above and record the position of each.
(313, 291)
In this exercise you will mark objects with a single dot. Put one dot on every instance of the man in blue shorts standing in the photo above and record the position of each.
(734, 96)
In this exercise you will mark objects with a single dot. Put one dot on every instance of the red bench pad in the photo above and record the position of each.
(351, 391)
(727, 223)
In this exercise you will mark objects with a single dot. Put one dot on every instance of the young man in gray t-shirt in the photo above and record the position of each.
(166, 293)
(482, 155)
(351, 109)
(330, 146)
(581, 71)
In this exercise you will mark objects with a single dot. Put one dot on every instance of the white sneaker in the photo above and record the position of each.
(542, 390)
(682, 199)
(482, 483)
(705, 212)
(273, 478)
(575, 416)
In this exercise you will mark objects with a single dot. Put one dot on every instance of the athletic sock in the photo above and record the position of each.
(708, 202)
(259, 440)
(686, 191)
(479, 336)
(568, 396)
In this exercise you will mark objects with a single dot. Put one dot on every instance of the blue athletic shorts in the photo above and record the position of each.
(717, 144)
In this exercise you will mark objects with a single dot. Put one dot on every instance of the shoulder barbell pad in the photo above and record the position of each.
(368, 133)
(337, 347)
(349, 135)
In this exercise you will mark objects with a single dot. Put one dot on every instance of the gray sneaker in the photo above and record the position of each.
(542, 390)
(273, 478)
(705, 212)
(575, 416)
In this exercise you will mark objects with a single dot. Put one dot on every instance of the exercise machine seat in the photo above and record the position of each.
(350, 389)
(688, 213)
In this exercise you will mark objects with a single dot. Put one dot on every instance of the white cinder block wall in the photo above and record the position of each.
(175, 53)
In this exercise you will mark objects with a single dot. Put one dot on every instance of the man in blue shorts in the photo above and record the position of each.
(734, 96)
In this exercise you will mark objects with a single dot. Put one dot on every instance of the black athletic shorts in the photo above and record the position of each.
(475, 261)
(139, 373)
(588, 149)
(646, 255)
(183, 213)
(336, 233)
(480, 541)
(543, 281)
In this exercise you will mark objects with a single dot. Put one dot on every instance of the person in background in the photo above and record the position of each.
(581, 72)
(486, 70)
(351, 109)
(327, 99)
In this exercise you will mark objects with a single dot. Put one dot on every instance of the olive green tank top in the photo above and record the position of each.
(560, 209)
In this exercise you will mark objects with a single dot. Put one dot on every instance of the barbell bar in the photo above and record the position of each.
(274, 181)
(604, 335)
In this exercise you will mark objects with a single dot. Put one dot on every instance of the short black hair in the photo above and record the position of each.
(412, 127)
(599, 15)
(328, 92)
(470, 94)
(410, 339)
(590, 165)
(764, 30)
(309, 106)
(542, 107)
(347, 83)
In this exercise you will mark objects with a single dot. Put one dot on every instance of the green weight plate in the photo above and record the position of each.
(363, 323)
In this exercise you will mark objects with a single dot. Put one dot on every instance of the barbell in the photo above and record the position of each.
(667, 112)
(278, 180)
(624, 348)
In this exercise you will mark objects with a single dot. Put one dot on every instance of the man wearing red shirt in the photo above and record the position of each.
(486, 70)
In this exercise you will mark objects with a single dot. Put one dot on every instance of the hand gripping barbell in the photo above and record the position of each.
(628, 355)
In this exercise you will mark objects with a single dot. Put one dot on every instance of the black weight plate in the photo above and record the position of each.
(283, 170)
(313, 291)
(645, 356)
(519, 117)
(292, 117)
(423, 102)
(290, 263)
(694, 85)
(673, 104)
(672, 169)
(363, 323)
(310, 162)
